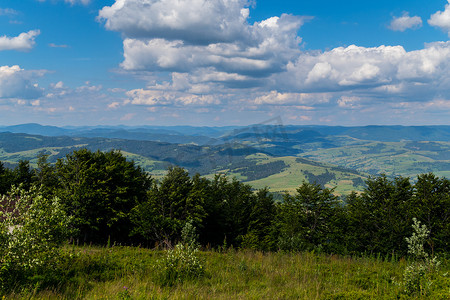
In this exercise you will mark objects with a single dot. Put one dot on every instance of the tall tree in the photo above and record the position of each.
(306, 219)
(176, 200)
(432, 202)
(260, 234)
(22, 174)
(6, 179)
(100, 189)
(380, 217)
(45, 175)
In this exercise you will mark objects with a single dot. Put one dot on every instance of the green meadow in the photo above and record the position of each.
(132, 273)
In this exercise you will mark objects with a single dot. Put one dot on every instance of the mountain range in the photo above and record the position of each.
(277, 156)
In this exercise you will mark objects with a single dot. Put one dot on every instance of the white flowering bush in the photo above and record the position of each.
(182, 262)
(418, 275)
(31, 229)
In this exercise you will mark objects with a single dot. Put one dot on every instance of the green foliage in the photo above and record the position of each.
(45, 175)
(23, 174)
(320, 179)
(306, 220)
(32, 229)
(102, 273)
(260, 234)
(432, 207)
(419, 274)
(188, 235)
(181, 263)
(228, 205)
(6, 177)
(99, 190)
(170, 204)
(379, 218)
(125, 294)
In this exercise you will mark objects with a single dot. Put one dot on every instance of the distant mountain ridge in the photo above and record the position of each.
(210, 135)
(250, 164)
(251, 153)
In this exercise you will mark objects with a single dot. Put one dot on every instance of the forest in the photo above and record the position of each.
(101, 198)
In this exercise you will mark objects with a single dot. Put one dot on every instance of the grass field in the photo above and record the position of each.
(392, 158)
(403, 158)
(132, 273)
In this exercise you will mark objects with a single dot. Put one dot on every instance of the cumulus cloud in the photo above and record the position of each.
(22, 42)
(441, 19)
(162, 98)
(211, 52)
(277, 98)
(193, 21)
(351, 102)
(353, 68)
(405, 22)
(210, 36)
(18, 83)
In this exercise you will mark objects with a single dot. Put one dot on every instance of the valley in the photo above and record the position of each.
(279, 157)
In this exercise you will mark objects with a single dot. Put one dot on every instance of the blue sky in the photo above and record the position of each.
(224, 62)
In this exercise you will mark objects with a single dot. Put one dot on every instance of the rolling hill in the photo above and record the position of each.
(255, 166)
(277, 156)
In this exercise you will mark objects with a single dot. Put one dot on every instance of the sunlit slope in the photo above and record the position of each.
(258, 168)
(297, 170)
(405, 158)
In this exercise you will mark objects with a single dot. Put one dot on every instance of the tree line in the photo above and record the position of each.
(111, 198)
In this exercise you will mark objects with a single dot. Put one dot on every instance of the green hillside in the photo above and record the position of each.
(279, 157)
(404, 158)
(298, 170)
(255, 166)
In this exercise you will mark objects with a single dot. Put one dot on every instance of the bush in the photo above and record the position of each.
(419, 274)
(181, 263)
(32, 228)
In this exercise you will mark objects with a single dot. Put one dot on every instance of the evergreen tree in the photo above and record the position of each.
(306, 220)
(260, 234)
(432, 202)
(22, 174)
(170, 204)
(100, 189)
(6, 179)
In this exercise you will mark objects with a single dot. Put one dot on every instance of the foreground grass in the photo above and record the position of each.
(131, 273)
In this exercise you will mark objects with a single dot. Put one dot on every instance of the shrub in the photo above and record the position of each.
(418, 275)
(181, 263)
(31, 229)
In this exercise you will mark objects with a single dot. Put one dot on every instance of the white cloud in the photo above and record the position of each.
(18, 83)
(194, 21)
(441, 19)
(439, 104)
(73, 2)
(84, 2)
(8, 12)
(341, 69)
(212, 52)
(52, 45)
(354, 68)
(206, 36)
(405, 22)
(128, 117)
(161, 98)
(23, 42)
(349, 102)
(113, 105)
(277, 98)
